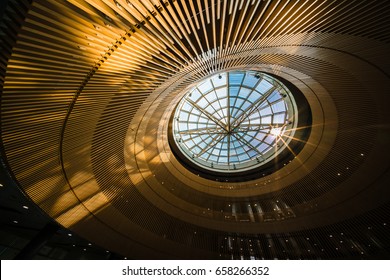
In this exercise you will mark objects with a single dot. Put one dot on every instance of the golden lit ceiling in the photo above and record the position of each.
(89, 86)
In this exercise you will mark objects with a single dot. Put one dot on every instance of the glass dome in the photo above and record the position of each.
(234, 121)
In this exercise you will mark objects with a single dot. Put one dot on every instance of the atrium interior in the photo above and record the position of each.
(207, 129)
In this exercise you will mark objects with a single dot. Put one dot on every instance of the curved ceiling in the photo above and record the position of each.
(89, 86)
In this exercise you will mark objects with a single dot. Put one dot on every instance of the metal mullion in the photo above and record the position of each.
(224, 125)
(229, 140)
(235, 147)
(249, 145)
(210, 116)
(276, 101)
(234, 107)
(199, 131)
(241, 86)
(269, 115)
(257, 103)
(219, 150)
(228, 100)
(252, 90)
(210, 147)
(218, 99)
(236, 96)
(226, 140)
(242, 104)
(254, 125)
(189, 139)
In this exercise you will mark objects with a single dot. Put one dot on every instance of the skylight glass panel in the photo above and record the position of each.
(250, 80)
(235, 78)
(206, 86)
(194, 95)
(274, 96)
(264, 86)
(225, 128)
(266, 120)
(278, 107)
(219, 80)
(233, 91)
(223, 102)
(280, 119)
(187, 107)
(265, 111)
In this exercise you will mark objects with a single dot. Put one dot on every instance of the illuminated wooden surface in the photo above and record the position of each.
(80, 71)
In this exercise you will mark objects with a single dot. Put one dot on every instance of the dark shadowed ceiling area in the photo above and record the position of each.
(88, 89)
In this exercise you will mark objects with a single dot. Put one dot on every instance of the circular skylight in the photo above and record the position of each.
(234, 121)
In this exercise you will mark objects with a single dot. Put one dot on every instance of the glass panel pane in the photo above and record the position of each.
(250, 80)
(219, 80)
(205, 87)
(235, 78)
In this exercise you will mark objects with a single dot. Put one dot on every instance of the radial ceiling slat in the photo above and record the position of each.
(78, 76)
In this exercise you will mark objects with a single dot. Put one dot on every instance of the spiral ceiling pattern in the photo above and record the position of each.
(89, 88)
